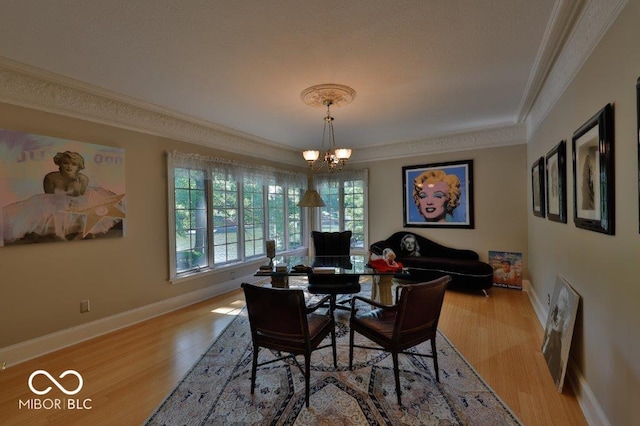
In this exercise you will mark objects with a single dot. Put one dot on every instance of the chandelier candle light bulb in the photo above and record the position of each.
(343, 153)
(311, 155)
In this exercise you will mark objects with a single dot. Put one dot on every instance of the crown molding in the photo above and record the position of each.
(513, 134)
(592, 25)
(563, 17)
(32, 88)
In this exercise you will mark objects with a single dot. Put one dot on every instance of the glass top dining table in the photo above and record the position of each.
(339, 265)
(288, 266)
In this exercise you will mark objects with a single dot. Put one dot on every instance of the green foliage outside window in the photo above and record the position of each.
(240, 215)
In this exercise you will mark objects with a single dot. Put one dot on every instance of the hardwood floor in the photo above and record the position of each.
(501, 337)
(128, 373)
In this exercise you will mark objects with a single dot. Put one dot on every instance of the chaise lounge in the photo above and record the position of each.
(427, 260)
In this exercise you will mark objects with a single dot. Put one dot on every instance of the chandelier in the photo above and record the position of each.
(328, 95)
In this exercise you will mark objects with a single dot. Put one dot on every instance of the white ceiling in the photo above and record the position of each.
(421, 68)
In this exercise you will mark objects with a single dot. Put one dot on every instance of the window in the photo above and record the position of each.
(225, 220)
(254, 241)
(345, 198)
(222, 212)
(276, 216)
(294, 218)
(190, 219)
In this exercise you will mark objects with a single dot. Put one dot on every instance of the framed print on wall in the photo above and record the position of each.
(593, 178)
(537, 187)
(59, 190)
(556, 183)
(438, 195)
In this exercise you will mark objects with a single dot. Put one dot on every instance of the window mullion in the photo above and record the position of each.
(209, 194)
(265, 212)
(285, 216)
(341, 207)
(240, 225)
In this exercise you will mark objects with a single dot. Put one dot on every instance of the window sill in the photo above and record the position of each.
(205, 272)
(191, 275)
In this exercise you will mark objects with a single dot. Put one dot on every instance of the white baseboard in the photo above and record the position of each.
(34, 348)
(538, 305)
(590, 406)
(591, 409)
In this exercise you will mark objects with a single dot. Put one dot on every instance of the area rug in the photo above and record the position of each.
(216, 391)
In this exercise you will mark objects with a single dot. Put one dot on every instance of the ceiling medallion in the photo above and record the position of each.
(337, 94)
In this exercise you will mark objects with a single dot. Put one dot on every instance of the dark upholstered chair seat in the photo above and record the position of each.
(380, 322)
(333, 285)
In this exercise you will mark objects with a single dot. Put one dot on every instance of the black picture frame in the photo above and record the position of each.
(556, 183)
(423, 211)
(537, 187)
(593, 173)
(638, 134)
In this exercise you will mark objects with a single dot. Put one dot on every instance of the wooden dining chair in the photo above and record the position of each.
(280, 320)
(413, 319)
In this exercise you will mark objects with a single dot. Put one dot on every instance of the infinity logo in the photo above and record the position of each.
(55, 382)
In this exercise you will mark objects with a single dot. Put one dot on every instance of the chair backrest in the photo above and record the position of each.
(331, 243)
(332, 280)
(275, 312)
(419, 307)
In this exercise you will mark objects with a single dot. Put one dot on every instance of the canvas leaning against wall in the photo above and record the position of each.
(59, 190)
(507, 269)
(559, 330)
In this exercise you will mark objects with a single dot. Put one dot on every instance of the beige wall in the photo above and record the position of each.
(500, 176)
(603, 269)
(43, 284)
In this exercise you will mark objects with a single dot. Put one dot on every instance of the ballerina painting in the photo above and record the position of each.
(57, 190)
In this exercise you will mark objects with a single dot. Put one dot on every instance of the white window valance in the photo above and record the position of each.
(238, 171)
(344, 175)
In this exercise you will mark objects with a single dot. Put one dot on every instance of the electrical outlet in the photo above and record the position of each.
(232, 275)
(84, 306)
(3, 366)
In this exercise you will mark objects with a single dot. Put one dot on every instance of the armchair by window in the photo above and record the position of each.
(332, 249)
(411, 321)
(280, 320)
